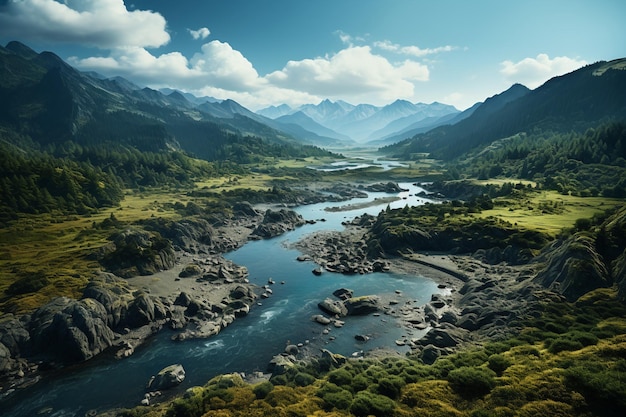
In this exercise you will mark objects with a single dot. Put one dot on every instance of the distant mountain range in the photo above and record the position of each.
(43, 101)
(572, 102)
(363, 122)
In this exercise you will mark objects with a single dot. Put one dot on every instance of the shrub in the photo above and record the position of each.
(340, 377)
(303, 379)
(585, 338)
(366, 403)
(498, 364)
(340, 400)
(359, 383)
(472, 381)
(564, 343)
(391, 387)
(261, 390)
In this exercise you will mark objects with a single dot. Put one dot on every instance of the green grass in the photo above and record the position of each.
(548, 211)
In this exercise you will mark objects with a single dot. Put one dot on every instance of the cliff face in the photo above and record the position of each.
(574, 267)
(588, 260)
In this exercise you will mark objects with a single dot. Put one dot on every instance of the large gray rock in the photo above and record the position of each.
(362, 305)
(278, 222)
(138, 252)
(333, 307)
(72, 330)
(114, 293)
(167, 378)
(13, 333)
(281, 364)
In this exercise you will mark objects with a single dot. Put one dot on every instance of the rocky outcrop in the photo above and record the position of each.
(168, 377)
(135, 252)
(382, 187)
(73, 330)
(281, 363)
(276, 223)
(345, 253)
(574, 267)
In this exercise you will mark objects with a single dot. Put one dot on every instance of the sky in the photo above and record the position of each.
(261, 52)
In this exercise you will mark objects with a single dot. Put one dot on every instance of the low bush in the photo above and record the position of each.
(498, 363)
(472, 381)
(367, 403)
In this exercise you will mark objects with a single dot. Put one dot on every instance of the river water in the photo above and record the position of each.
(250, 342)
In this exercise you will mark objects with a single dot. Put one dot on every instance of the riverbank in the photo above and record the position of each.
(475, 301)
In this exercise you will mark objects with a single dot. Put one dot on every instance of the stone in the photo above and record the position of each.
(292, 350)
(281, 364)
(168, 377)
(74, 331)
(321, 319)
(333, 307)
(343, 293)
(362, 305)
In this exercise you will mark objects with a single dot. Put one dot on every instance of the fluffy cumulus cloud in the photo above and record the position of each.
(217, 65)
(101, 23)
(532, 72)
(359, 72)
(201, 33)
(353, 71)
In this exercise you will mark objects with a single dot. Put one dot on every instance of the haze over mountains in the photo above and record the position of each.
(363, 122)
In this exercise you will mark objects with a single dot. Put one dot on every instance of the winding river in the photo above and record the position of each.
(249, 343)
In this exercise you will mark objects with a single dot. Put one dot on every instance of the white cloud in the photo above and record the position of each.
(354, 71)
(216, 65)
(532, 72)
(201, 33)
(411, 50)
(101, 23)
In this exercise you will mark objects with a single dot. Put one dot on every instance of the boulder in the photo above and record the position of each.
(343, 293)
(362, 305)
(444, 336)
(329, 360)
(191, 270)
(138, 252)
(140, 311)
(333, 307)
(240, 292)
(321, 319)
(168, 377)
(281, 364)
(430, 354)
(292, 350)
(278, 222)
(183, 299)
(73, 331)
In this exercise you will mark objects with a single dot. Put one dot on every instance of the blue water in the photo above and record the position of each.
(249, 343)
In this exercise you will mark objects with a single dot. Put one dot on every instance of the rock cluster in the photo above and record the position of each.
(135, 252)
(342, 253)
(277, 222)
(113, 315)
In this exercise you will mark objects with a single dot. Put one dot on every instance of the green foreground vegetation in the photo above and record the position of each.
(568, 361)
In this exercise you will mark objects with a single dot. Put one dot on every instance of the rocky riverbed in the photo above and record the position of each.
(174, 277)
(477, 301)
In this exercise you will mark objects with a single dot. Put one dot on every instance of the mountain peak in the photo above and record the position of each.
(22, 50)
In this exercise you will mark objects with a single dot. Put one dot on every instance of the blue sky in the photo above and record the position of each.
(261, 52)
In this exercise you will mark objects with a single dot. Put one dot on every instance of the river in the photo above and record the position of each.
(250, 342)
